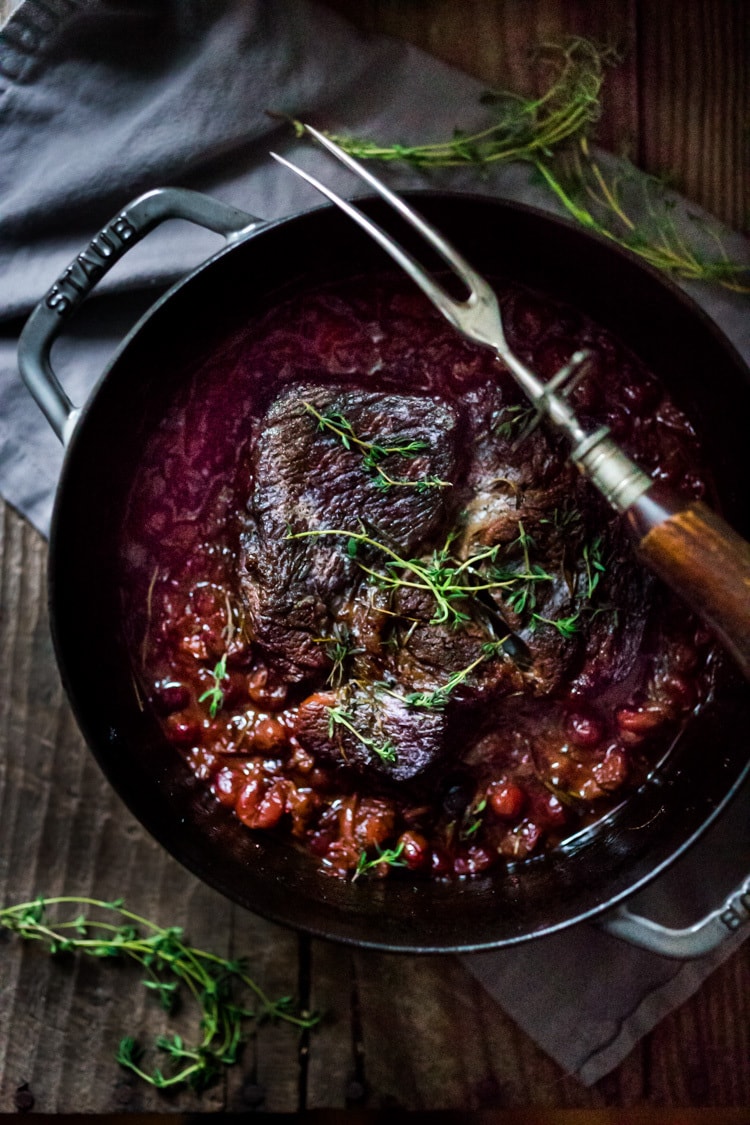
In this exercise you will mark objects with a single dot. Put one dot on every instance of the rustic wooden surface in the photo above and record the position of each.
(398, 1031)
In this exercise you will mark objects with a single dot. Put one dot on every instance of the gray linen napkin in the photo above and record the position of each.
(103, 99)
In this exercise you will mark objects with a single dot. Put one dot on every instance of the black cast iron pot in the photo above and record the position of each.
(600, 868)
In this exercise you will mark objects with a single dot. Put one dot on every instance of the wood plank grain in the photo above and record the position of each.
(694, 100)
(64, 831)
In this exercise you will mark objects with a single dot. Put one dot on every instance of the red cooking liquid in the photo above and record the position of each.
(530, 767)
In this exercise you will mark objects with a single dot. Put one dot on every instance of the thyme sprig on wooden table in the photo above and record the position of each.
(172, 966)
(525, 127)
(552, 132)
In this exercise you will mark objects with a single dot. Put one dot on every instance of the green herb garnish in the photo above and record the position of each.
(552, 133)
(170, 963)
(449, 581)
(215, 693)
(594, 564)
(374, 453)
(472, 819)
(566, 626)
(522, 580)
(526, 128)
(438, 698)
(393, 857)
(338, 717)
(514, 420)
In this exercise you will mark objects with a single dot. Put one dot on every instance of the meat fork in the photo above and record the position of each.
(685, 543)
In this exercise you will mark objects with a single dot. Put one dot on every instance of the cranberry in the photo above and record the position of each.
(414, 849)
(637, 724)
(549, 810)
(506, 800)
(612, 771)
(373, 821)
(522, 841)
(265, 690)
(473, 860)
(268, 736)
(440, 862)
(181, 730)
(170, 696)
(270, 809)
(583, 730)
(676, 690)
(248, 800)
(226, 786)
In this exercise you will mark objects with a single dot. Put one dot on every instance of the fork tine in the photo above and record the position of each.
(445, 303)
(447, 252)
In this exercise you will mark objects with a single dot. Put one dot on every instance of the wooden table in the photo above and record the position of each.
(397, 1031)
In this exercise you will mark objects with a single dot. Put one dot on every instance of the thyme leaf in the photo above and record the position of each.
(338, 717)
(172, 965)
(551, 132)
(215, 693)
(374, 453)
(450, 581)
(438, 698)
(393, 857)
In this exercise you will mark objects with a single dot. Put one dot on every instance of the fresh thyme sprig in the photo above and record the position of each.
(593, 561)
(472, 819)
(438, 698)
(514, 420)
(552, 134)
(170, 963)
(448, 580)
(522, 580)
(339, 649)
(216, 693)
(374, 453)
(598, 201)
(338, 717)
(525, 127)
(566, 626)
(393, 857)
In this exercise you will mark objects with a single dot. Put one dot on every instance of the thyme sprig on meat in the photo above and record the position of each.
(450, 581)
(374, 453)
(172, 966)
(438, 698)
(338, 717)
(523, 579)
(339, 648)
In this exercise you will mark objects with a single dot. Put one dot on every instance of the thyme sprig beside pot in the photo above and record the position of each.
(172, 967)
(552, 133)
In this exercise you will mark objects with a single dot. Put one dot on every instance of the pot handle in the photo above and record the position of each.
(76, 281)
(694, 941)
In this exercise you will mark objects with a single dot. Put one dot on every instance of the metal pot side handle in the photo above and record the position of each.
(694, 941)
(127, 228)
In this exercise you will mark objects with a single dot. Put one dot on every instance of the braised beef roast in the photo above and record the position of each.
(304, 590)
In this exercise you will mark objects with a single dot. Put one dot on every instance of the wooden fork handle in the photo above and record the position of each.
(699, 555)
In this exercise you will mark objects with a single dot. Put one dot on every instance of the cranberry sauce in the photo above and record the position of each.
(375, 615)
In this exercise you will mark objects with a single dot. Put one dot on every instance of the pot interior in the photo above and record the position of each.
(595, 869)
